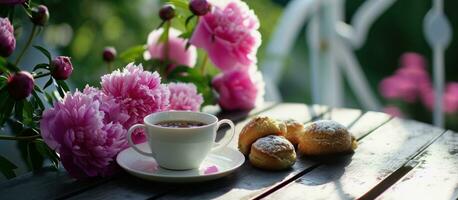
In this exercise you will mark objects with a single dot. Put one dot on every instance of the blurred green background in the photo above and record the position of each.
(81, 29)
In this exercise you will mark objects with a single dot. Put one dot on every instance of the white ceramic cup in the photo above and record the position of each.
(181, 148)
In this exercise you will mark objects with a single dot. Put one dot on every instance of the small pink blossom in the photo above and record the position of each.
(229, 34)
(412, 59)
(138, 92)
(177, 52)
(79, 131)
(450, 98)
(410, 81)
(397, 87)
(393, 111)
(184, 96)
(239, 89)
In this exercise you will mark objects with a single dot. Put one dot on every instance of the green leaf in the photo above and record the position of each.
(183, 4)
(18, 108)
(44, 52)
(7, 168)
(45, 151)
(50, 81)
(37, 99)
(27, 113)
(165, 33)
(12, 68)
(61, 91)
(3, 81)
(41, 66)
(34, 157)
(62, 84)
(6, 107)
(3, 65)
(38, 89)
(49, 98)
(133, 53)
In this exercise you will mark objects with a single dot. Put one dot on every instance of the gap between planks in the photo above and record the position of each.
(307, 170)
(418, 132)
(398, 174)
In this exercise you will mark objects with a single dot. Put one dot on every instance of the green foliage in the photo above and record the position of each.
(7, 168)
(133, 54)
(192, 75)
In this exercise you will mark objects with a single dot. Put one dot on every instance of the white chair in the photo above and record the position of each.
(331, 44)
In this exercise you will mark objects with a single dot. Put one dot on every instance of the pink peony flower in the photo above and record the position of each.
(393, 111)
(138, 92)
(61, 68)
(397, 87)
(176, 53)
(229, 34)
(78, 129)
(412, 59)
(7, 39)
(239, 89)
(410, 82)
(184, 96)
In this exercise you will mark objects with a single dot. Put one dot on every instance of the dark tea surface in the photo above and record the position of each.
(180, 124)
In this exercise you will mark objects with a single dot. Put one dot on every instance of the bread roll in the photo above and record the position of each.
(326, 137)
(257, 128)
(294, 131)
(272, 153)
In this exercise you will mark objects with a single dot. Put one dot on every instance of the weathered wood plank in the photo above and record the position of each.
(48, 184)
(134, 188)
(249, 182)
(435, 173)
(379, 154)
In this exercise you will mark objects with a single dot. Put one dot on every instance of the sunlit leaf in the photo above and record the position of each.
(133, 53)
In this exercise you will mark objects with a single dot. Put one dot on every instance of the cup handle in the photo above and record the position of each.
(131, 143)
(227, 137)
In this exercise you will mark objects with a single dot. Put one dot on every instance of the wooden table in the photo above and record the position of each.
(396, 159)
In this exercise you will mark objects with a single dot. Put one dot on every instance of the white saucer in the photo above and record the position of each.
(216, 165)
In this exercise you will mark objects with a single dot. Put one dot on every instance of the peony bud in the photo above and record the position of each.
(20, 85)
(109, 54)
(40, 15)
(167, 12)
(7, 40)
(199, 7)
(12, 2)
(61, 68)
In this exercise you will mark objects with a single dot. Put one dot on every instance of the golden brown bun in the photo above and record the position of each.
(295, 130)
(258, 128)
(272, 153)
(326, 137)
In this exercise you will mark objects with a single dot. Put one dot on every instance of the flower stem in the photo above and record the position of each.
(110, 66)
(41, 75)
(7, 137)
(203, 69)
(29, 41)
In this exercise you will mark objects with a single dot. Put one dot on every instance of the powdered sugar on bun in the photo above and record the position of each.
(273, 144)
(327, 127)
